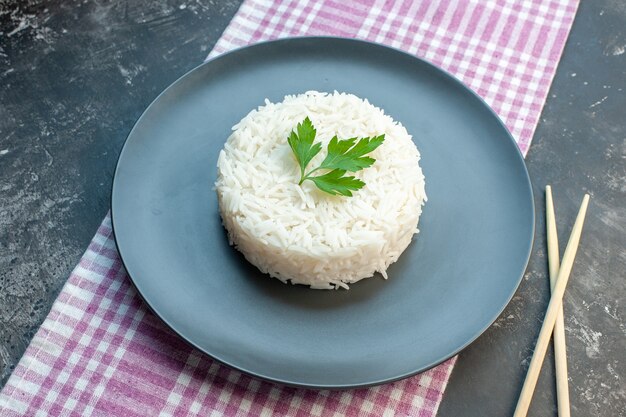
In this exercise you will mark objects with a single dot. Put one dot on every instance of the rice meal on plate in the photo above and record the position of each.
(353, 218)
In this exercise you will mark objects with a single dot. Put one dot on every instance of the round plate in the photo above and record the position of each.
(451, 283)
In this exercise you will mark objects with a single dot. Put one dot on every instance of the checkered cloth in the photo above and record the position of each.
(101, 352)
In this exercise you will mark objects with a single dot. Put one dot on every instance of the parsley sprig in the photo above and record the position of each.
(343, 156)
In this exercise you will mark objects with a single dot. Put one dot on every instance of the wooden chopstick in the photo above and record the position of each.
(553, 308)
(558, 335)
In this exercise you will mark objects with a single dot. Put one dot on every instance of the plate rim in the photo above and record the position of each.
(452, 78)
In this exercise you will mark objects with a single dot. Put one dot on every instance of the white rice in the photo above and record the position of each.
(299, 233)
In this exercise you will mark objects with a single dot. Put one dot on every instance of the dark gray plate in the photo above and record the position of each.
(446, 289)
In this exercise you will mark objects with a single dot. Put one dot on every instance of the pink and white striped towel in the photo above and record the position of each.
(101, 352)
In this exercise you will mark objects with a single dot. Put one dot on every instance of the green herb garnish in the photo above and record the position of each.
(343, 156)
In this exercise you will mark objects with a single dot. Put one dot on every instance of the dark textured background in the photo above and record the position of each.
(74, 76)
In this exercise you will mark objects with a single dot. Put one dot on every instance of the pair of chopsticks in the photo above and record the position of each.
(554, 315)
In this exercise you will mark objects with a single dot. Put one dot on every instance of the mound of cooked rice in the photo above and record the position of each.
(299, 233)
